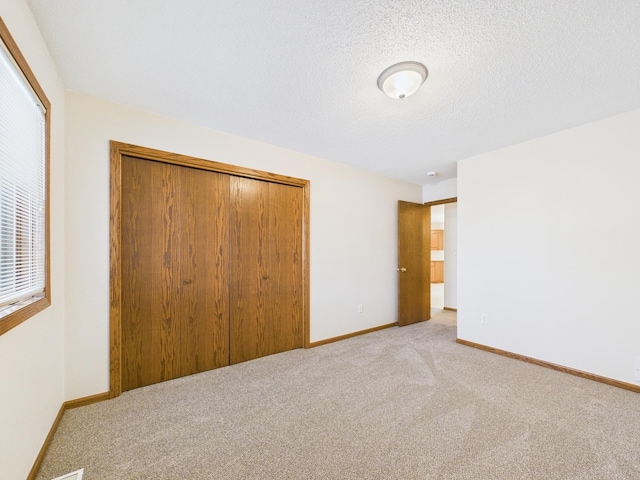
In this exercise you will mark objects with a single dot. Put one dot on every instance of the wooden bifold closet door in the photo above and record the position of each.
(266, 268)
(211, 270)
(175, 302)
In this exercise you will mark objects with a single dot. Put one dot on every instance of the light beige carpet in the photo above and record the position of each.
(401, 403)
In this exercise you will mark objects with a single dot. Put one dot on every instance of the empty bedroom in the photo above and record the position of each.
(300, 240)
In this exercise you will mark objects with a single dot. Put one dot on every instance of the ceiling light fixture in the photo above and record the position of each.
(402, 79)
(432, 174)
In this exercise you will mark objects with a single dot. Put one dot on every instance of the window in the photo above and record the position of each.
(24, 136)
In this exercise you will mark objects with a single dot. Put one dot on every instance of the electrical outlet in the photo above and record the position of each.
(637, 369)
(484, 318)
(359, 308)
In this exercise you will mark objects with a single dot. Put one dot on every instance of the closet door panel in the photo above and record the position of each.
(202, 286)
(175, 271)
(137, 267)
(248, 251)
(285, 267)
(265, 243)
(165, 271)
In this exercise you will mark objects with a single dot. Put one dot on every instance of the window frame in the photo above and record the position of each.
(14, 314)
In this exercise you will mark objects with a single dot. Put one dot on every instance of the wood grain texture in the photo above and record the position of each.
(414, 295)
(137, 255)
(571, 371)
(266, 286)
(115, 272)
(203, 281)
(209, 165)
(120, 150)
(163, 341)
(174, 271)
(248, 250)
(285, 301)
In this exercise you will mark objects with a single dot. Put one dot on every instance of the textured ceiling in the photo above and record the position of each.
(302, 74)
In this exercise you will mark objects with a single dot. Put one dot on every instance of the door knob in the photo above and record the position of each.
(402, 269)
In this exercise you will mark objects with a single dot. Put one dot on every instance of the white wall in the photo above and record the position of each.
(32, 354)
(440, 190)
(353, 227)
(451, 255)
(549, 247)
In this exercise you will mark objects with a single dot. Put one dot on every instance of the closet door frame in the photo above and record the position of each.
(117, 151)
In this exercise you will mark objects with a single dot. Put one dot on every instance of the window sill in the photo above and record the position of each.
(16, 313)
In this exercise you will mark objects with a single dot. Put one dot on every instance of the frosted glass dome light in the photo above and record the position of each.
(402, 79)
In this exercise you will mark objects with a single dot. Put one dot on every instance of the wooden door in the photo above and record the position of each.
(174, 271)
(414, 257)
(266, 308)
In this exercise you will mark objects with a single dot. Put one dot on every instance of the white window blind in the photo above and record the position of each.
(22, 186)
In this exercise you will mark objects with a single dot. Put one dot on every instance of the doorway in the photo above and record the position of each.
(443, 261)
(438, 234)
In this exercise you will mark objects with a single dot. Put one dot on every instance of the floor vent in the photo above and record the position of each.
(77, 475)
